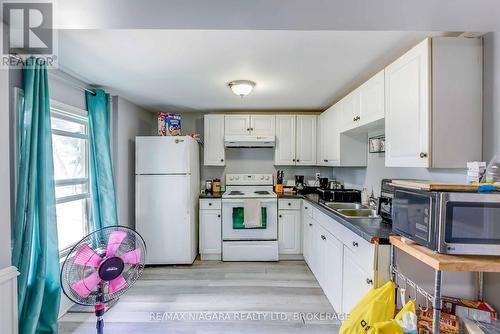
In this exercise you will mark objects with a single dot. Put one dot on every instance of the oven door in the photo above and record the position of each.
(470, 224)
(232, 213)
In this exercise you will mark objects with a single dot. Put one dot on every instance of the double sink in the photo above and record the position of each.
(351, 210)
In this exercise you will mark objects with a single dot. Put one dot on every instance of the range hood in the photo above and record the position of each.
(249, 141)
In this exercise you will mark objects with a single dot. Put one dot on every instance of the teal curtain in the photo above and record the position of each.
(34, 234)
(102, 187)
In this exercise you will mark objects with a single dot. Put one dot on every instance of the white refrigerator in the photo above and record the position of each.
(167, 184)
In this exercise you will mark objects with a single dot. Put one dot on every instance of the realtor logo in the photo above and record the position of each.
(28, 28)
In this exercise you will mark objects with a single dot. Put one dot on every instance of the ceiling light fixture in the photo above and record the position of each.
(241, 87)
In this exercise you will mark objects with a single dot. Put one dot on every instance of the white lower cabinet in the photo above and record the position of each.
(210, 229)
(345, 265)
(289, 229)
(331, 261)
(289, 234)
(356, 281)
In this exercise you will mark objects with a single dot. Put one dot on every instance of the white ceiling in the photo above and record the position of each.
(188, 70)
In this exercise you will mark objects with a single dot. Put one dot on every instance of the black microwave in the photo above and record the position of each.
(463, 223)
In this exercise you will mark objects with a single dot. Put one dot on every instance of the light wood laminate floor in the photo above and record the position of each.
(217, 297)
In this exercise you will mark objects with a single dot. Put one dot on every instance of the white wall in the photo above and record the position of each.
(128, 121)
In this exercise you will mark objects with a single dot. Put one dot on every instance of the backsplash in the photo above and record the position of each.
(257, 160)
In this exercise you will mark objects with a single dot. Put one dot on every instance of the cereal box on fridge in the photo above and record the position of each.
(169, 124)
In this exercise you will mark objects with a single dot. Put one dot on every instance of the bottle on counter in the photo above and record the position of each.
(216, 186)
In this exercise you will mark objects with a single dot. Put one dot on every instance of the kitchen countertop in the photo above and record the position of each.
(372, 230)
(218, 195)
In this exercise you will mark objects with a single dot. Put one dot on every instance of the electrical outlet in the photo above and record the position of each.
(318, 175)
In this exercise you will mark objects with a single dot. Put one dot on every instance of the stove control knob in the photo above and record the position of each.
(231, 178)
(237, 177)
(262, 177)
(267, 177)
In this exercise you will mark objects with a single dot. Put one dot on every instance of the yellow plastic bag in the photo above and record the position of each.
(392, 326)
(377, 305)
(409, 307)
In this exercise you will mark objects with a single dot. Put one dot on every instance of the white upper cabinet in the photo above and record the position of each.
(262, 125)
(407, 90)
(213, 148)
(284, 151)
(329, 137)
(259, 125)
(237, 125)
(349, 106)
(306, 140)
(371, 100)
(433, 104)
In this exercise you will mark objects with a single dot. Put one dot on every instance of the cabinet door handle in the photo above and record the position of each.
(298, 160)
(323, 237)
(293, 160)
(305, 207)
(209, 204)
(326, 160)
(280, 216)
(289, 204)
(354, 119)
(251, 129)
(423, 155)
(355, 244)
(221, 160)
(369, 281)
(310, 224)
(218, 216)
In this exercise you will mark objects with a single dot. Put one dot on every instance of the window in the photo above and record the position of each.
(71, 171)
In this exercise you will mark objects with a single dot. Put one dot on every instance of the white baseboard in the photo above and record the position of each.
(8, 296)
(211, 257)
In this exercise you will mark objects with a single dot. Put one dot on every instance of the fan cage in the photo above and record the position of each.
(97, 241)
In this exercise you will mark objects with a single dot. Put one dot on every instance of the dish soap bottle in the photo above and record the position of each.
(493, 170)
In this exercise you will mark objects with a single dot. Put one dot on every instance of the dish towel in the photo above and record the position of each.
(252, 213)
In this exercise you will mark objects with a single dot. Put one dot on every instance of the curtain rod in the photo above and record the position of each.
(61, 78)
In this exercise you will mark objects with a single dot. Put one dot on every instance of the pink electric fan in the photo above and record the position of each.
(102, 266)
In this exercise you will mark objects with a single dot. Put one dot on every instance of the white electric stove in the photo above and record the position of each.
(249, 244)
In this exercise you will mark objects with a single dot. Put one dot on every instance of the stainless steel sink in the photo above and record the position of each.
(358, 213)
(339, 206)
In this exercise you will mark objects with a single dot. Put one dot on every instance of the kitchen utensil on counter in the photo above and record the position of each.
(433, 185)
(216, 186)
(323, 182)
(299, 182)
(335, 185)
(385, 201)
(208, 186)
(341, 195)
(279, 177)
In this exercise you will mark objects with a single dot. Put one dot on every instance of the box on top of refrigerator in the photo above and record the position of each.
(169, 124)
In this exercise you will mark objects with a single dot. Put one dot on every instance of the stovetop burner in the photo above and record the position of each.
(235, 192)
(262, 192)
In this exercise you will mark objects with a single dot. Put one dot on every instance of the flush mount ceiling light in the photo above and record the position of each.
(241, 87)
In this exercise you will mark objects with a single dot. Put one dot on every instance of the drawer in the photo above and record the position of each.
(210, 204)
(362, 250)
(307, 208)
(289, 204)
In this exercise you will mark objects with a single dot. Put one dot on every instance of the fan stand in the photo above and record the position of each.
(99, 312)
